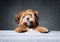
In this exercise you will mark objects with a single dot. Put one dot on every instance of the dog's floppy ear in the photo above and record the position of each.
(36, 14)
(17, 18)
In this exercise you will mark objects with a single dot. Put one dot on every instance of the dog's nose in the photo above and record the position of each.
(27, 18)
(31, 22)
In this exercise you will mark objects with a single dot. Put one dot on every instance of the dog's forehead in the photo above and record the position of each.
(26, 13)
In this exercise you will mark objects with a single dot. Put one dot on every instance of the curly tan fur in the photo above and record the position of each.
(22, 27)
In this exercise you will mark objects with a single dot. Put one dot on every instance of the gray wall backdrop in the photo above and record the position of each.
(49, 12)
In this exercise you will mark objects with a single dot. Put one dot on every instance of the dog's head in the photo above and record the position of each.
(27, 18)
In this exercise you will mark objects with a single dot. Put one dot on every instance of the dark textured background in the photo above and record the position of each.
(49, 12)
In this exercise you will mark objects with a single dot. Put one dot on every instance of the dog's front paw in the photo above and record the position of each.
(42, 29)
(17, 29)
(20, 30)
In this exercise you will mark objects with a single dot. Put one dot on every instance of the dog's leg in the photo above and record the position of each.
(42, 29)
(21, 30)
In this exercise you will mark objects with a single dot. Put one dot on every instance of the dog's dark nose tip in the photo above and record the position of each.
(31, 22)
(27, 18)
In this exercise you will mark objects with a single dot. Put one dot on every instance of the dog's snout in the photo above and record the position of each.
(27, 18)
(31, 22)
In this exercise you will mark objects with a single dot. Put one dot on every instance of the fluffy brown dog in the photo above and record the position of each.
(28, 19)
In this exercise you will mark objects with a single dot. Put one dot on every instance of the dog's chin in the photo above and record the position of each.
(29, 25)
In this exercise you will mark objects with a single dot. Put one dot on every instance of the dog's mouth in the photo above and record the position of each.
(29, 24)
